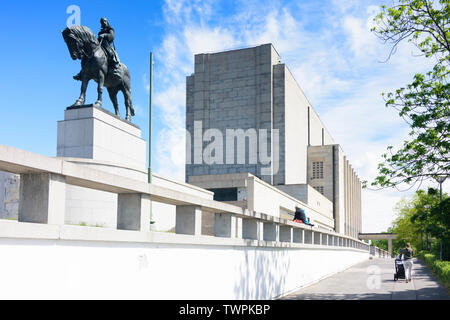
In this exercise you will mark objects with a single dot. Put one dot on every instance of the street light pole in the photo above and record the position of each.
(427, 207)
(441, 180)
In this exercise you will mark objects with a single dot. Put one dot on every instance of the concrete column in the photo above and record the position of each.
(317, 238)
(309, 237)
(298, 235)
(324, 239)
(252, 229)
(188, 220)
(239, 227)
(390, 247)
(225, 225)
(260, 229)
(286, 234)
(271, 232)
(133, 211)
(42, 198)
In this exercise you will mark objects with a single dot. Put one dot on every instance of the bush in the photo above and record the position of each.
(441, 269)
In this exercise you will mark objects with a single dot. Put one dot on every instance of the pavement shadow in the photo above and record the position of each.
(326, 296)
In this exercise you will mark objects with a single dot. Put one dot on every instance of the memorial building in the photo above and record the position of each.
(251, 100)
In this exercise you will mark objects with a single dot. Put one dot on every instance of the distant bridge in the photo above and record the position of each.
(379, 236)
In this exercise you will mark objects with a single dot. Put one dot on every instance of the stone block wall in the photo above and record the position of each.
(230, 90)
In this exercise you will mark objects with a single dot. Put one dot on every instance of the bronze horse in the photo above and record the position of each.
(83, 44)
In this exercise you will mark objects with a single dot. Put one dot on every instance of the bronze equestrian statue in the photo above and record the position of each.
(99, 62)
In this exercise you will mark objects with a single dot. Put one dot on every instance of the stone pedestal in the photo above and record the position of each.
(98, 139)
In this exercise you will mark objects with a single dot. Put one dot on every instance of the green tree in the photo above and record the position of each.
(403, 227)
(423, 104)
(423, 214)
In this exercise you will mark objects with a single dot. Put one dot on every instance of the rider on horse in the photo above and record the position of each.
(106, 39)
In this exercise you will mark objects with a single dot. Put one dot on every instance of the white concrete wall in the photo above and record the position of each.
(268, 199)
(296, 108)
(60, 269)
(340, 205)
(316, 127)
(310, 196)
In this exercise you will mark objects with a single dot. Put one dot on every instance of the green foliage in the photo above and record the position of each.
(423, 104)
(421, 215)
(441, 269)
(382, 244)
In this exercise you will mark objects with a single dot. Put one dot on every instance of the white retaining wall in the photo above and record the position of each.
(178, 269)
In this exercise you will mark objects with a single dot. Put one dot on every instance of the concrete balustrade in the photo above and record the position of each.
(42, 201)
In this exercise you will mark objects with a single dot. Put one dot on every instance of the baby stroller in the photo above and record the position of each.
(399, 269)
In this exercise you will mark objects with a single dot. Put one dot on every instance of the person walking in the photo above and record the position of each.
(407, 261)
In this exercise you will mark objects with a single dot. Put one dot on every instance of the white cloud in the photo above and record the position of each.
(362, 41)
(204, 40)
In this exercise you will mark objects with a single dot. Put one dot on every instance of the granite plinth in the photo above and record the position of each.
(90, 132)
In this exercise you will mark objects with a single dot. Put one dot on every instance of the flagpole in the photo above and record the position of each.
(150, 134)
(150, 122)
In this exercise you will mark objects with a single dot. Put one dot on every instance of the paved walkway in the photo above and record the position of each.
(374, 280)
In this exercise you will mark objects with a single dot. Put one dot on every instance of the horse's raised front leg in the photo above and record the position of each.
(101, 82)
(82, 97)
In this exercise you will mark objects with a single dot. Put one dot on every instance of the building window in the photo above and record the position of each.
(320, 189)
(317, 170)
(225, 194)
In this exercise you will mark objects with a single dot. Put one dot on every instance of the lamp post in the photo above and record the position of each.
(427, 207)
(441, 180)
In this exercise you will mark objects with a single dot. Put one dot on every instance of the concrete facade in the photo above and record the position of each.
(339, 183)
(231, 90)
(251, 89)
(259, 196)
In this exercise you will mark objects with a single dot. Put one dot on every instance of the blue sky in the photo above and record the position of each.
(327, 45)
